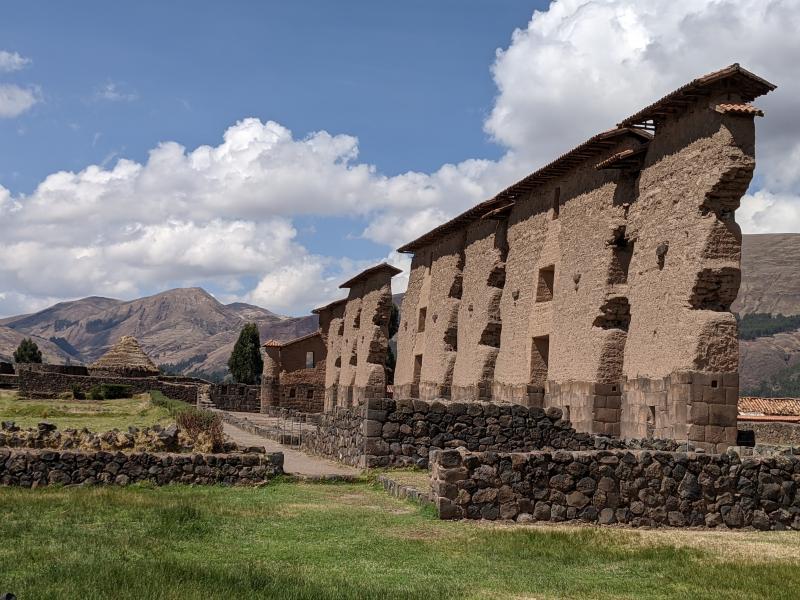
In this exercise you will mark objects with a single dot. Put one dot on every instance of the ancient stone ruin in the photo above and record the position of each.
(600, 284)
(125, 359)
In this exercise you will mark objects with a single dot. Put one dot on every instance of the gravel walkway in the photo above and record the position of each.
(294, 461)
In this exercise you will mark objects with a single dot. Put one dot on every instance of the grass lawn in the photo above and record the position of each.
(303, 540)
(97, 415)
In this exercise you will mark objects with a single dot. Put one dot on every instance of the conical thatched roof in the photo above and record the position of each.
(126, 358)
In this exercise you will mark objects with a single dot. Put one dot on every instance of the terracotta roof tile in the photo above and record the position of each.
(740, 109)
(769, 406)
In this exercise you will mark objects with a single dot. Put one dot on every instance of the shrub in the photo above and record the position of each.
(113, 391)
(195, 422)
(174, 407)
(95, 393)
(77, 392)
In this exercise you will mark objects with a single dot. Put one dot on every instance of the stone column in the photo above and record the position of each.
(270, 377)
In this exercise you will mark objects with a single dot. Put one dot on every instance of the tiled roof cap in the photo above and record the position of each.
(386, 267)
(740, 109)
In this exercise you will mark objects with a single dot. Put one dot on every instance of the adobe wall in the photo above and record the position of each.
(27, 468)
(688, 250)
(773, 432)
(637, 488)
(600, 284)
(358, 341)
(293, 353)
(331, 320)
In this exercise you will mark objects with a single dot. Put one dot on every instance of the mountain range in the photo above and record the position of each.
(191, 331)
(186, 328)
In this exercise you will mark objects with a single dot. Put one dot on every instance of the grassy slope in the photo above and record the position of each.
(96, 415)
(293, 540)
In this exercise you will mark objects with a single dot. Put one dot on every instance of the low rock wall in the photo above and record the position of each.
(638, 488)
(339, 435)
(34, 468)
(44, 384)
(9, 381)
(773, 432)
(236, 397)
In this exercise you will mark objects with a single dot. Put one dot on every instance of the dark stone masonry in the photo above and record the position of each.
(34, 468)
(637, 488)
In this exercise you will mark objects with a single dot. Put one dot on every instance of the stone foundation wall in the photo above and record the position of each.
(592, 407)
(403, 432)
(36, 384)
(339, 435)
(694, 406)
(303, 390)
(638, 488)
(774, 433)
(33, 468)
(235, 396)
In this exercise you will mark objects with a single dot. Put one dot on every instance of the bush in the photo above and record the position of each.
(195, 422)
(113, 391)
(95, 393)
(77, 392)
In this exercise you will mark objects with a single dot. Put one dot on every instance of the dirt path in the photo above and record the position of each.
(294, 461)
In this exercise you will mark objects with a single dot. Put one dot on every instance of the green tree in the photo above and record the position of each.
(28, 352)
(245, 363)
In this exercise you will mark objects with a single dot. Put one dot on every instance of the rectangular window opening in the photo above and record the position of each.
(310, 394)
(309, 360)
(292, 393)
(544, 288)
(423, 315)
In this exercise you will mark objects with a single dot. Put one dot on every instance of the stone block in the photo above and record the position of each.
(370, 428)
(723, 415)
(714, 395)
(698, 413)
(697, 433)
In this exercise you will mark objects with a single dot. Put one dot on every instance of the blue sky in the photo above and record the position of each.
(397, 89)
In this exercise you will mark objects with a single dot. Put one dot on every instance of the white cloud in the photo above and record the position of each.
(15, 100)
(223, 213)
(12, 61)
(114, 92)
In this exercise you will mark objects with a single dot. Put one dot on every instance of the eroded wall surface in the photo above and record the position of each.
(603, 289)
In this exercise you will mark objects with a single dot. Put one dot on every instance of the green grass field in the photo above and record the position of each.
(303, 540)
(97, 415)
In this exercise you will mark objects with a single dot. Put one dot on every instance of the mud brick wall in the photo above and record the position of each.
(638, 488)
(235, 396)
(36, 384)
(33, 468)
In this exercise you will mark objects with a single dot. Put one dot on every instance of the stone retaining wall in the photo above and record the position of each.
(236, 397)
(339, 435)
(43, 384)
(9, 381)
(34, 468)
(773, 433)
(638, 488)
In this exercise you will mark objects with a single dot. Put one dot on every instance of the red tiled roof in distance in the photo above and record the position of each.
(768, 406)
(392, 271)
(273, 343)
